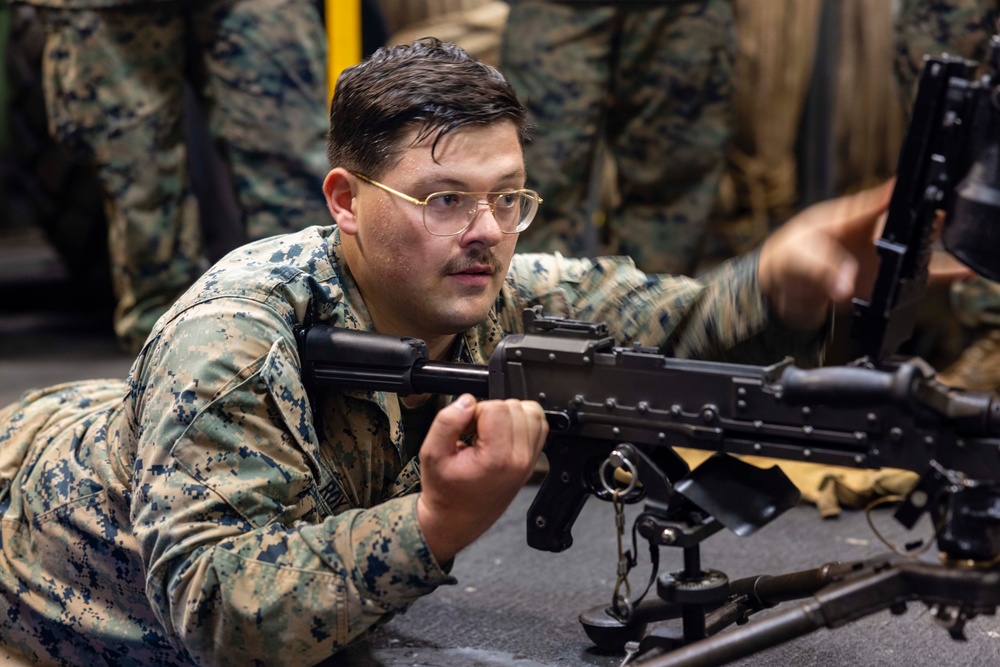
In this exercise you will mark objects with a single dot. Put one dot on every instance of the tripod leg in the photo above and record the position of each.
(831, 608)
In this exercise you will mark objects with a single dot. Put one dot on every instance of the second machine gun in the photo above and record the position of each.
(615, 414)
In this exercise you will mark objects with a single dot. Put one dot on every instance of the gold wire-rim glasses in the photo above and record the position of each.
(525, 194)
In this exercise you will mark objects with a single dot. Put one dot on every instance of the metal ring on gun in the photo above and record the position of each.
(629, 467)
(625, 616)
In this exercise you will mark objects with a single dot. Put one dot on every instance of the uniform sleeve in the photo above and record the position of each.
(240, 567)
(722, 316)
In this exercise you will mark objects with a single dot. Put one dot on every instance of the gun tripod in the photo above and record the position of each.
(834, 594)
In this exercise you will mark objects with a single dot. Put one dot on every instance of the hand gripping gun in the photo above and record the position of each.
(615, 413)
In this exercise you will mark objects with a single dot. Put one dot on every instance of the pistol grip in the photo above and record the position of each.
(573, 463)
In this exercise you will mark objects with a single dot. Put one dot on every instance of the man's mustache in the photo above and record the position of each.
(475, 258)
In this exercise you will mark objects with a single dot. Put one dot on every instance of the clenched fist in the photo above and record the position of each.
(475, 458)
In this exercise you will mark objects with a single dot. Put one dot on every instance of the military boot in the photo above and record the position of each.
(978, 367)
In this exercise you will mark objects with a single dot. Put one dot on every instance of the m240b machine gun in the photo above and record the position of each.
(615, 414)
(610, 407)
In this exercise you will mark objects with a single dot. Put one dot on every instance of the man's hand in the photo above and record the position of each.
(825, 254)
(466, 487)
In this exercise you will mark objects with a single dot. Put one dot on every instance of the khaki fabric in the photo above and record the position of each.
(477, 29)
(830, 488)
(868, 121)
(400, 14)
(774, 61)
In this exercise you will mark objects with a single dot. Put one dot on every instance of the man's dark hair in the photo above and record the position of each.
(432, 85)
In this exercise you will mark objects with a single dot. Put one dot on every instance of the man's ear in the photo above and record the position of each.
(338, 186)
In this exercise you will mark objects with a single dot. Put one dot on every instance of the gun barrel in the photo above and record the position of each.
(443, 378)
(423, 377)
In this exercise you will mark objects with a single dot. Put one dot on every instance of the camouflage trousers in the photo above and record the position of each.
(653, 83)
(114, 89)
(962, 28)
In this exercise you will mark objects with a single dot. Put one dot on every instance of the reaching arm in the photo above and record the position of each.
(823, 256)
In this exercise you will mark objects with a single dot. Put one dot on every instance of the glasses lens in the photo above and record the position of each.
(527, 207)
(507, 208)
(514, 210)
(448, 213)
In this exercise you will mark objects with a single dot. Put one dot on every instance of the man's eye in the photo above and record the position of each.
(507, 199)
(445, 200)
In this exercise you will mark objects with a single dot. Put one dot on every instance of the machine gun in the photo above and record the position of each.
(610, 407)
(615, 414)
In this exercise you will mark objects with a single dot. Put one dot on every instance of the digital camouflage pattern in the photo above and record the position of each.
(114, 83)
(960, 28)
(200, 513)
(654, 78)
(932, 27)
(97, 4)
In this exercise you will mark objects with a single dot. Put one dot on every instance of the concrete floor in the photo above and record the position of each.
(515, 606)
(48, 334)
(512, 606)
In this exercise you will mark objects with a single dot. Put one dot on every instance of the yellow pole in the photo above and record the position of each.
(343, 37)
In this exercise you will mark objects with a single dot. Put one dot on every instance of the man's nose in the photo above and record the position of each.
(484, 225)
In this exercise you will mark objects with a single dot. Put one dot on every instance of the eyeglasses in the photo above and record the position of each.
(450, 213)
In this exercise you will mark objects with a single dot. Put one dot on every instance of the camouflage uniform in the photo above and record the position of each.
(115, 73)
(960, 28)
(198, 513)
(924, 27)
(651, 78)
